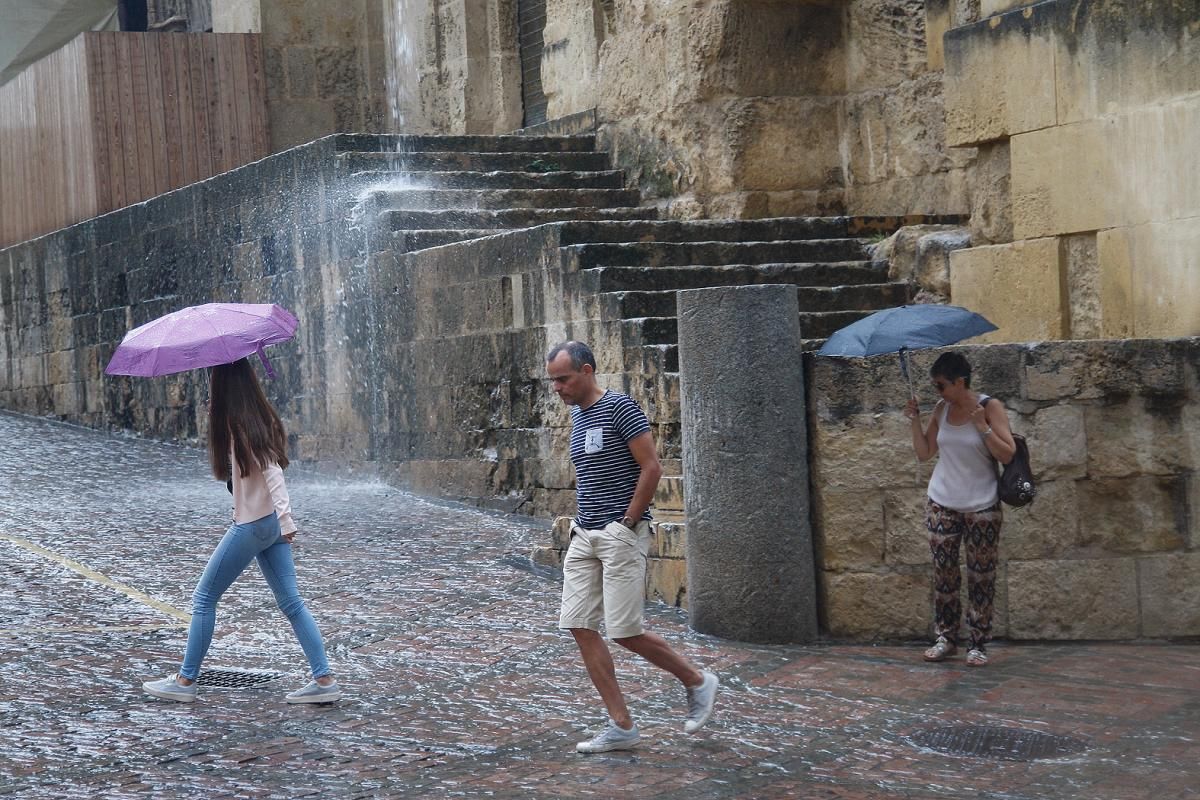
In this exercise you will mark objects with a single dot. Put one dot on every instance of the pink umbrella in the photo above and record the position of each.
(202, 336)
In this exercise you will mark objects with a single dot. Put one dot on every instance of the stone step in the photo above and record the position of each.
(753, 230)
(869, 296)
(668, 496)
(665, 330)
(408, 241)
(616, 279)
(441, 161)
(388, 142)
(686, 254)
(433, 199)
(459, 179)
(652, 359)
(411, 219)
(716, 230)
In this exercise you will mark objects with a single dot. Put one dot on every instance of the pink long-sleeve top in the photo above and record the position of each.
(259, 493)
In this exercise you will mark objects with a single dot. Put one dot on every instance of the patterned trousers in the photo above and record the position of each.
(980, 531)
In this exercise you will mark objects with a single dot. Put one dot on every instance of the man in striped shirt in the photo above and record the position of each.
(604, 571)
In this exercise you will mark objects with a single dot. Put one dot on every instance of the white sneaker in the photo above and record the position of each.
(700, 700)
(170, 688)
(316, 693)
(611, 738)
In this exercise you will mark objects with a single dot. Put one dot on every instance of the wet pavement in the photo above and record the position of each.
(457, 683)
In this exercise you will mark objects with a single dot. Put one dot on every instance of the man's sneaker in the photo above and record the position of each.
(942, 649)
(170, 689)
(700, 701)
(316, 693)
(611, 738)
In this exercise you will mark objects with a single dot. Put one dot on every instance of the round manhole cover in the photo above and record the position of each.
(1006, 744)
(229, 678)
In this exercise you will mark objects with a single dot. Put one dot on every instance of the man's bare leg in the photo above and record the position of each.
(655, 649)
(603, 673)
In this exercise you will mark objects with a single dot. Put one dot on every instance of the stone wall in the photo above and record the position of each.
(1110, 549)
(324, 64)
(1089, 106)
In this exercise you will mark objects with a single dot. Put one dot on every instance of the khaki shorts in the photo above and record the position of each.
(604, 578)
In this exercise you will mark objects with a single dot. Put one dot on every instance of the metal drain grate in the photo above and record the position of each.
(1005, 744)
(236, 678)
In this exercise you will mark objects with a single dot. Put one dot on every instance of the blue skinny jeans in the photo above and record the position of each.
(240, 545)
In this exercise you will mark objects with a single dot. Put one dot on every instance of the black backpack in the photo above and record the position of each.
(1015, 483)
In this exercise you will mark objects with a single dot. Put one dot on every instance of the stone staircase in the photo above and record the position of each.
(428, 191)
(431, 191)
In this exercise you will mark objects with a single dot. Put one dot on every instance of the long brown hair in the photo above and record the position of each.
(239, 411)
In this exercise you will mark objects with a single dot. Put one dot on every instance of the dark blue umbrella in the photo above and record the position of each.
(898, 330)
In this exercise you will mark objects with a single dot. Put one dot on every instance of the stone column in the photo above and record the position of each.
(745, 464)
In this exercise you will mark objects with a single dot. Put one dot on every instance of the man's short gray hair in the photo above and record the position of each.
(579, 352)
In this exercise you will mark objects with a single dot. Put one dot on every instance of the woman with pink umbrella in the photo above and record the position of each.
(247, 447)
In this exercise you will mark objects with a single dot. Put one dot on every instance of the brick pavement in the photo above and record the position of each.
(459, 686)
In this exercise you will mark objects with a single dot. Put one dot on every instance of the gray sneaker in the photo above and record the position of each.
(316, 693)
(611, 738)
(170, 689)
(700, 700)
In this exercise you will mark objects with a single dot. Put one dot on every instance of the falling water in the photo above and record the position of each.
(403, 21)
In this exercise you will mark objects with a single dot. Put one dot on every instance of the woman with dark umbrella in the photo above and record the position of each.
(969, 432)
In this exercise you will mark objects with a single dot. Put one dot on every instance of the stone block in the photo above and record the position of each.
(991, 194)
(780, 143)
(1000, 78)
(1073, 599)
(666, 581)
(906, 539)
(1138, 438)
(1132, 515)
(884, 42)
(1113, 58)
(867, 451)
(1131, 168)
(938, 20)
(1018, 286)
(1169, 588)
(869, 605)
(1082, 264)
(849, 528)
(1057, 441)
(920, 254)
(1048, 528)
(670, 540)
(1148, 284)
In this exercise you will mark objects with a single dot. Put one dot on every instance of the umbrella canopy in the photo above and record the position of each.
(202, 336)
(896, 330)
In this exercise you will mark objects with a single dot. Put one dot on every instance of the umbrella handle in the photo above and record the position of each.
(266, 364)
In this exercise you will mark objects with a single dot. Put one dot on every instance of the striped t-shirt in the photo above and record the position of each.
(606, 473)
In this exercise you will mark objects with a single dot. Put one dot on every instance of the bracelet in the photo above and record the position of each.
(986, 433)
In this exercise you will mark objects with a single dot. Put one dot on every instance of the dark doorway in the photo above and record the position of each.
(531, 20)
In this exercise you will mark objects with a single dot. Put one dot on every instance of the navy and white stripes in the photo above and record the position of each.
(606, 472)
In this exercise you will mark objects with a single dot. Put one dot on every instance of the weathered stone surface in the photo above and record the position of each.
(869, 605)
(1082, 264)
(885, 42)
(850, 532)
(1133, 515)
(906, 538)
(1057, 435)
(868, 452)
(749, 552)
(1000, 78)
(1148, 284)
(1170, 594)
(1127, 169)
(1144, 436)
(1073, 599)
(990, 194)
(1048, 528)
(1017, 286)
(921, 254)
(571, 38)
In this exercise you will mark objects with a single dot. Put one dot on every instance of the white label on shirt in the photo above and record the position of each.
(593, 440)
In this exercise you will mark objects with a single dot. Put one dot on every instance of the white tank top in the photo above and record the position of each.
(964, 478)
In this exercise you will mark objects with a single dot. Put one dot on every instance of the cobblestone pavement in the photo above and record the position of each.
(458, 684)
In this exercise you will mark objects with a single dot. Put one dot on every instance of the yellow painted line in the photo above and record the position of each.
(104, 580)
(32, 631)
